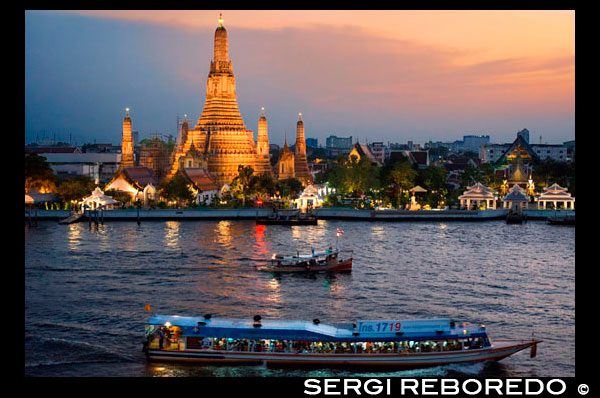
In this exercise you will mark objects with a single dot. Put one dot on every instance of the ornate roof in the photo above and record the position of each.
(555, 193)
(200, 178)
(478, 191)
(519, 147)
(516, 194)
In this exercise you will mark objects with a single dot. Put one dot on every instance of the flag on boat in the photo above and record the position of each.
(340, 232)
(148, 308)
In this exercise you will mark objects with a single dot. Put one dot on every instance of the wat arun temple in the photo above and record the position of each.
(220, 142)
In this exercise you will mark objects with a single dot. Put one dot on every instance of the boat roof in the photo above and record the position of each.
(362, 330)
(305, 256)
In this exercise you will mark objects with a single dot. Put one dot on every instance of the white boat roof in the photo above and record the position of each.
(366, 328)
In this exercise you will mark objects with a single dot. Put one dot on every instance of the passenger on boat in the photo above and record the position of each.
(161, 338)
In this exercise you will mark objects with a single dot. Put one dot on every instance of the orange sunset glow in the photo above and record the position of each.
(388, 75)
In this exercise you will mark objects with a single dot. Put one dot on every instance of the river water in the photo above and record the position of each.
(85, 288)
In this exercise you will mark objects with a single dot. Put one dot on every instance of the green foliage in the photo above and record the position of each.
(289, 188)
(323, 176)
(469, 176)
(177, 189)
(75, 188)
(354, 177)
(547, 172)
(489, 176)
(242, 185)
(403, 176)
(38, 174)
(120, 196)
(433, 178)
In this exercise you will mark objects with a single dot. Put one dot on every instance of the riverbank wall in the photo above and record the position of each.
(321, 213)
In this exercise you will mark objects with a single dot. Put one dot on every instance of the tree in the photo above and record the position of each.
(434, 179)
(177, 189)
(75, 188)
(242, 185)
(289, 188)
(489, 176)
(38, 174)
(469, 176)
(264, 185)
(354, 177)
(120, 196)
(403, 176)
(549, 171)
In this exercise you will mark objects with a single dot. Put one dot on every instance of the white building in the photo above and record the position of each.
(98, 166)
(548, 151)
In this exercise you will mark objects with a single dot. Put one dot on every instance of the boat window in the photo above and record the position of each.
(165, 338)
(172, 340)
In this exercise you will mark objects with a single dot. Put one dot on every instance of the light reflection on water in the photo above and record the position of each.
(88, 284)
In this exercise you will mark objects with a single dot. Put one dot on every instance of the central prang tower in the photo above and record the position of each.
(220, 141)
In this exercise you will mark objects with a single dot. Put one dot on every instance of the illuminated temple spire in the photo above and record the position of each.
(220, 140)
(220, 107)
(127, 143)
(300, 161)
(263, 164)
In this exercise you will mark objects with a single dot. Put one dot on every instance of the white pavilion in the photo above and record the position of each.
(556, 194)
(517, 195)
(310, 198)
(479, 194)
(98, 200)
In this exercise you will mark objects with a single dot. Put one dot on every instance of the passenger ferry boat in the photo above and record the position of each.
(329, 260)
(399, 344)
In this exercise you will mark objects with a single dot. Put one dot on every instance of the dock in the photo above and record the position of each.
(75, 217)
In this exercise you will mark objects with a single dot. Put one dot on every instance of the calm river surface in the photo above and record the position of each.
(85, 288)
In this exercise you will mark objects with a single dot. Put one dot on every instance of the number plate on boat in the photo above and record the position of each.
(379, 327)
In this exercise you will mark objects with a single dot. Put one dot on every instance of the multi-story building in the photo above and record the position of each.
(378, 151)
(100, 167)
(472, 143)
(338, 145)
(312, 142)
(395, 148)
(492, 152)
(556, 152)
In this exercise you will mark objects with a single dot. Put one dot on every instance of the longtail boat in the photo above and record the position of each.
(325, 261)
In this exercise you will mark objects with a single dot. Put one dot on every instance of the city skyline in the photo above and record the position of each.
(84, 68)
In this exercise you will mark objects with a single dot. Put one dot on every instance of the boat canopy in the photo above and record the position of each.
(372, 330)
(304, 256)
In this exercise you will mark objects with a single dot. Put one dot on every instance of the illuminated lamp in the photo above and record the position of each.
(168, 324)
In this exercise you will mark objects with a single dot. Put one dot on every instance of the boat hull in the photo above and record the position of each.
(403, 361)
(344, 266)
